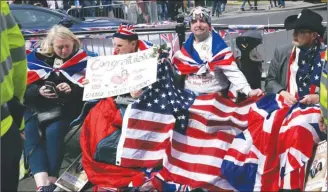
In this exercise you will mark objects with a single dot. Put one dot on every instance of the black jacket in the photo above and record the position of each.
(71, 103)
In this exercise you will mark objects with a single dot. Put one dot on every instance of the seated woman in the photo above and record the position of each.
(53, 99)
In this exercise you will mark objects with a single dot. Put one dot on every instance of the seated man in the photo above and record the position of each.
(207, 62)
(126, 41)
(294, 72)
(102, 126)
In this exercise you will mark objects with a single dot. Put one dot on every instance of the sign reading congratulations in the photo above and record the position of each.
(120, 74)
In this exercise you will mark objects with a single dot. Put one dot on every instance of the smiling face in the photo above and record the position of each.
(200, 28)
(63, 47)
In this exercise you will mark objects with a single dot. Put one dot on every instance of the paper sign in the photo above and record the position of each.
(120, 74)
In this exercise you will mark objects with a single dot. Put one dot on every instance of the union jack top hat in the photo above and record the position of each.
(126, 32)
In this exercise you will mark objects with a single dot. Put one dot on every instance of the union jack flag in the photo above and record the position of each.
(73, 69)
(187, 136)
(187, 60)
(272, 153)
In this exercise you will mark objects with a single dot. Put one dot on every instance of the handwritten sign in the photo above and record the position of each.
(120, 74)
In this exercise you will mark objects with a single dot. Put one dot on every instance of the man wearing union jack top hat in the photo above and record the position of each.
(207, 62)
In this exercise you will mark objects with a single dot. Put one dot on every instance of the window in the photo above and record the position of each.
(36, 18)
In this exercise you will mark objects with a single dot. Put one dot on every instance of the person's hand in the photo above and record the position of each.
(47, 93)
(310, 99)
(322, 125)
(135, 94)
(255, 92)
(64, 87)
(289, 98)
(85, 82)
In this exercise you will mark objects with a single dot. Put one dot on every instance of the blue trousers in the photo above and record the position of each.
(45, 154)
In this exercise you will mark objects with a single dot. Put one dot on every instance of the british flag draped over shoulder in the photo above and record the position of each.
(187, 61)
(73, 69)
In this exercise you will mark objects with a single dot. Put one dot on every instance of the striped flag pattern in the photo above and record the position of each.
(272, 153)
(188, 136)
(73, 69)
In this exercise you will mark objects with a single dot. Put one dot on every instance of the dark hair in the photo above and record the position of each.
(133, 37)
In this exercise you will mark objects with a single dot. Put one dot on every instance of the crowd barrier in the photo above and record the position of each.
(100, 41)
(132, 11)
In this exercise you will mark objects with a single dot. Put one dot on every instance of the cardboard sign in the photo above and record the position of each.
(317, 171)
(73, 179)
(120, 74)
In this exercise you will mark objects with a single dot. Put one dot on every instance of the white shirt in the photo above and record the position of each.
(218, 80)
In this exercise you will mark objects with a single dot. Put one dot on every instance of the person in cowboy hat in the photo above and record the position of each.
(295, 69)
(207, 62)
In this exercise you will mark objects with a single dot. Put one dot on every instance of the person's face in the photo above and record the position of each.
(200, 28)
(303, 37)
(63, 47)
(123, 46)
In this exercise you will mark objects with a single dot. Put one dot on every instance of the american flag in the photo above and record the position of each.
(188, 136)
(73, 69)
(272, 153)
(309, 70)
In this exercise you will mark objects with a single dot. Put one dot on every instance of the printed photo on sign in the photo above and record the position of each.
(120, 74)
(317, 170)
(74, 178)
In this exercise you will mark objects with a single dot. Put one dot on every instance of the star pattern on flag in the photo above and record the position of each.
(164, 97)
(309, 72)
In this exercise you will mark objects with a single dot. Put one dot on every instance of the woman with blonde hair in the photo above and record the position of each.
(53, 99)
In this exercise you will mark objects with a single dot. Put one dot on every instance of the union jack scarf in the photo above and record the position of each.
(187, 61)
(308, 74)
(73, 69)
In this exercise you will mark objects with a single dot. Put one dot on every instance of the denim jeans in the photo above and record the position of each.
(244, 2)
(162, 7)
(48, 152)
(282, 3)
(216, 9)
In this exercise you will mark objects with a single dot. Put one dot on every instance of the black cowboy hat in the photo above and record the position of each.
(307, 19)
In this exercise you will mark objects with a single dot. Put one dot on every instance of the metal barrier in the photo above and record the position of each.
(133, 11)
(101, 41)
(117, 10)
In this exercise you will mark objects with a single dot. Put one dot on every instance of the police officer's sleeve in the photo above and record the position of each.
(18, 54)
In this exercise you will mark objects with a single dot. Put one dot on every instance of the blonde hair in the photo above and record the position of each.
(46, 45)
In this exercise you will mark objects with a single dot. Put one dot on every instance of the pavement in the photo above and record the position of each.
(232, 16)
(233, 8)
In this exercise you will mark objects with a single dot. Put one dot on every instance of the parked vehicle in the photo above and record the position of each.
(35, 19)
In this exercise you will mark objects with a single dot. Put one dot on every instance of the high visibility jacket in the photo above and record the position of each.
(13, 64)
(324, 92)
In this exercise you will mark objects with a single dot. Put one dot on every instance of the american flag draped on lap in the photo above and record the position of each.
(73, 69)
(188, 136)
(271, 154)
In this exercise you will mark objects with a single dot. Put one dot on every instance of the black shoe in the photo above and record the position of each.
(242, 9)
